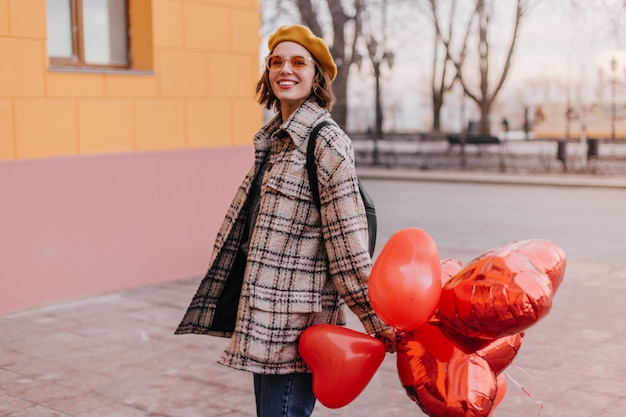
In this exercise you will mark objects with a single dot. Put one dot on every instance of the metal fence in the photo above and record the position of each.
(529, 156)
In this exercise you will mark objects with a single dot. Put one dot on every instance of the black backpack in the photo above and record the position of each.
(370, 210)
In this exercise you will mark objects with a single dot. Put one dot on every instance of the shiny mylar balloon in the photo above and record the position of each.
(449, 268)
(548, 257)
(500, 353)
(343, 361)
(502, 387)
(503, 291)
(453, 342)
(405, 283)
(442, 379)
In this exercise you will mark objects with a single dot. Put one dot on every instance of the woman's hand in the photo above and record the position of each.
(388, 337)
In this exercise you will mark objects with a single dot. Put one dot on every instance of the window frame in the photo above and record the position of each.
(77, 60)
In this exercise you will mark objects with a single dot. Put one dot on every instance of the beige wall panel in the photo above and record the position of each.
(245, 30)
(45, 128)
(139, 85)
(25, 76)
(232, 76)
(105, 126)
(183, 73)
(210, 123)
(167, 23)
(71, 84)
(28, 18)
(7, 138)
(248, 119)
(207, 27)
(4, 18)
(160, 124)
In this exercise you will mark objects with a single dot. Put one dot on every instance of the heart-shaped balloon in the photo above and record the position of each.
(503, 291)
(454, 342)
(442, 379)
(501, 392)
(500, 353)
(343, 361)
(547, 257)
(465, 343)
(449, 268)
(405, 283)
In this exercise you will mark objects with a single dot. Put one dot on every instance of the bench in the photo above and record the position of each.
(473, 139)
(462, 139)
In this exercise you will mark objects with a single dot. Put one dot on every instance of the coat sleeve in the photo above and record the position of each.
(344, 224)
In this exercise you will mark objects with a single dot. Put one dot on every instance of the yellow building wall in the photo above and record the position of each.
(192, 85)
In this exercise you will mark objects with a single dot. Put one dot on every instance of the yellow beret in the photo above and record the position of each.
(302, 35)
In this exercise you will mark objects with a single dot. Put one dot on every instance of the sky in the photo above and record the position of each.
(574, 44)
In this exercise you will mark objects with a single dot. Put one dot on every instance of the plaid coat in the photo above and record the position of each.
(301, 267)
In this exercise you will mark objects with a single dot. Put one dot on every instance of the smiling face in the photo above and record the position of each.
(290, 87)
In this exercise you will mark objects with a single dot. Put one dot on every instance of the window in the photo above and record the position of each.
(88, 33)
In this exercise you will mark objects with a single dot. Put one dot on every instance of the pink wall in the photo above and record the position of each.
(75, 227)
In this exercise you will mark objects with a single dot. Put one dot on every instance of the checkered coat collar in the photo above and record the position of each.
(296, 128)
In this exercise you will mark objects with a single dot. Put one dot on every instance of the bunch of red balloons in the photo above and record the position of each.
(459, 326)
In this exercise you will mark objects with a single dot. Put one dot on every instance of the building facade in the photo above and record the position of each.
(116, 167)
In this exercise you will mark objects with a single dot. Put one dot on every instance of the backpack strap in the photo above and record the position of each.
(310, 163)
(370, 210)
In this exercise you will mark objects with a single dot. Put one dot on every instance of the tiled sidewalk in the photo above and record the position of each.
(115, 355)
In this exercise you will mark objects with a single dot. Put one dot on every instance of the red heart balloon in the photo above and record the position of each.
(431, 339)
(465, 343)
(449, 268)
(500, 353)
(343, 361)
(503, 291)
(500, 393)
(405, 283)
(547, 257)
(440, 378)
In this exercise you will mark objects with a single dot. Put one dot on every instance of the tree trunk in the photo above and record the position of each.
(437, 105)
(342, 54)
(441, 82)
(485, 111)
(379, 106)
(485, 96)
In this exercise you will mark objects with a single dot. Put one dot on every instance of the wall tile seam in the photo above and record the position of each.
(23, 37)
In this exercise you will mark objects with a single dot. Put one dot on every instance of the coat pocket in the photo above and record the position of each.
(283, 301)
(294, 187)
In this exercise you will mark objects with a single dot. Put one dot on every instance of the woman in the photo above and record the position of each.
(279, 265)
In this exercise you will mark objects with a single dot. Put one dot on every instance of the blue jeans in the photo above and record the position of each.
(284, 395)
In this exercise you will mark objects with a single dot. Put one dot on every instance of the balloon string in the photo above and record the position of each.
(524, 390)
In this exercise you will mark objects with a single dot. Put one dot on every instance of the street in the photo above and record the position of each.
(468, 219)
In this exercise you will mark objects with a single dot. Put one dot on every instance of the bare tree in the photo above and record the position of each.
(485, 96)
(483, 89)
(346, 25)
(443, 74)
(616, 13)
(379, 54)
